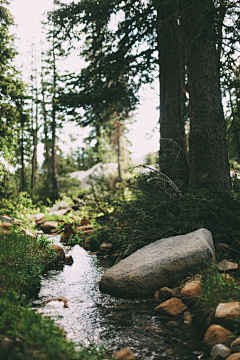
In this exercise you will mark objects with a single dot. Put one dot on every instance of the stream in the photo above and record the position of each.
(93, 317)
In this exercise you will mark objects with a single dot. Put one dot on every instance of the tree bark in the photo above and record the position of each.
(208, 159)
(172, 131)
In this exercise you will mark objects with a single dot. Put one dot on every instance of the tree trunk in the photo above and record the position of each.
(119, 151)
(208, 159)
(172, 131)
(23, 176)
(97, 146)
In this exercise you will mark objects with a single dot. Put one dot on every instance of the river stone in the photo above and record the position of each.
(226, 265)
(191, 290)
(124, 354)
(235, 356)
(227, 314)
(220, 352)
(47, 226)
(235, 345)
(158, 264)
(172, 307)
(216, 334)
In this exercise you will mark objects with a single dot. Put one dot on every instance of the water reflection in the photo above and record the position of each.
(95, 317)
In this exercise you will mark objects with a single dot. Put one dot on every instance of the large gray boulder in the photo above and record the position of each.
(158, 264)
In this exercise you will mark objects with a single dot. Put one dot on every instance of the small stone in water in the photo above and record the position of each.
(220, 352)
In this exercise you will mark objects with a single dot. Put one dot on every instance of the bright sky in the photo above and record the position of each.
(28, 15)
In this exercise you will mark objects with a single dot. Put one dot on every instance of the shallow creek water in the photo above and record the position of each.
(93, 317)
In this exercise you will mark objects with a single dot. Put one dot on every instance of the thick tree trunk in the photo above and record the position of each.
(208, 160)
(172, 131)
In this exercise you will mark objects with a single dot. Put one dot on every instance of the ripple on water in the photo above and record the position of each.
(95, 317)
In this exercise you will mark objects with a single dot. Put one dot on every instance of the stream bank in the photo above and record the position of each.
(93, 317)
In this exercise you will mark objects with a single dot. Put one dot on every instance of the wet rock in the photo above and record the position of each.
(158, 264)
(234, 357)
(59, 298)
(165, 293)
(36, 217)
(171, 307)
(176, 292)
(87, 244)
(60, 255)
(68, 260)
(67, 233)
(60, 212)
(125, 354)
(175, 324)
(227, 314)
(188, 321)
(191, 291)
(216, 334)
(129, 250)
(226, 265)
(105, 246)
(220, 352)
(48, 226)
(235, 345)
(156, 295)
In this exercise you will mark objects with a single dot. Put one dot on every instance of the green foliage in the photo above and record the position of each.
(18, 207)
(22, 261)
(155, 210)
(216, 289)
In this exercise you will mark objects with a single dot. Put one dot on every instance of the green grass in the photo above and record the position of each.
(216, 289)
(25, 334)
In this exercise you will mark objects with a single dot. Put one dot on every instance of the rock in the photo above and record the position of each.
(85, 221)
(6, 226)
(67, 233)
(158, 264)
(28, 233)
(60, 205)
(220, 352)
(234, 357)
(235, 345)
(59, 298)
(87, 244)
(7, 219)
(226, 265)
(227, 314)
(105, 246)
(216, 334)
(60, 256)
(48, 226)
(175, 324)
(124, 354)
(176, 292)
(129, 250)
(68, 260)
(171, 307)
(165, 293)
(191, 290)
(84, 228)
(227, 277)
(60, 212)
(156, 295)
(187, 323)
(222, 246)
(36, 217)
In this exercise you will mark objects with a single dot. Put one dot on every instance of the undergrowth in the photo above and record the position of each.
(216, 288)
(159, 209)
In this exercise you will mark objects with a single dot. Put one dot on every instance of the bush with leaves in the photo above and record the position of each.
(157, 209)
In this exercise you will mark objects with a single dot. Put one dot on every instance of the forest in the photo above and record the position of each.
(192, 182)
